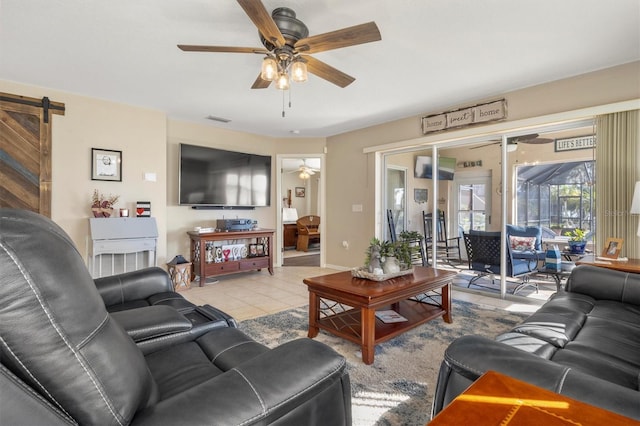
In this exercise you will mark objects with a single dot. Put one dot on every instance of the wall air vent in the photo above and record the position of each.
(220, 119)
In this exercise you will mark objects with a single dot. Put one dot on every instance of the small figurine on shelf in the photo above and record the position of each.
(374, 258)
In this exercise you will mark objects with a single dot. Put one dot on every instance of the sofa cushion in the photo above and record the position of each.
(531, 344)
(555, 328)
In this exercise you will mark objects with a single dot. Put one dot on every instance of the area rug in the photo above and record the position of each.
(397, 389)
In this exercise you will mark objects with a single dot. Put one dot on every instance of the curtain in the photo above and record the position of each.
(617, 170)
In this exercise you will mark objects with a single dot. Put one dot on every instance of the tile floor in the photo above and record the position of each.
(254, 294)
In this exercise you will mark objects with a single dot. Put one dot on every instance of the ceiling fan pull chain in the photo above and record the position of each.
(283, 104)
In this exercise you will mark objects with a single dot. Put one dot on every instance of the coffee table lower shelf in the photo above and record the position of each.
(348, 324)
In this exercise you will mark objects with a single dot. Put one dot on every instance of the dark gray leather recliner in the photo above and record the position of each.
(65, 360)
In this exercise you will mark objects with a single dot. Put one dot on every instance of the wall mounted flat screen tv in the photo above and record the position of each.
(424, 167)
(214, 177)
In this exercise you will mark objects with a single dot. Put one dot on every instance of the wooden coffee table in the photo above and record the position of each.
(345, 306)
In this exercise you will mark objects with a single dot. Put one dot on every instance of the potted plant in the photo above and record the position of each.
(577, 241)
(389, 256)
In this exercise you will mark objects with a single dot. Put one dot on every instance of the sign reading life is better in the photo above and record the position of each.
(571, 144)
(491, 111)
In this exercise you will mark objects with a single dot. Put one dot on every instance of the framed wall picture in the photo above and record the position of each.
(612, 248)
(420, 195)
(300, 191)
(106, 164)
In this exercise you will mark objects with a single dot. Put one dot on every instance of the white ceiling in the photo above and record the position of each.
(434, 54)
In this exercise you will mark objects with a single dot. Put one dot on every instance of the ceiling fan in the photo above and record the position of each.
(514, 141)
(288, 46)
(304, 170)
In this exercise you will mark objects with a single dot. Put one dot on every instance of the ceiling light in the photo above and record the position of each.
(282, 82)
(304, 175)
(299, 71)
(511, 147)
(269, 69)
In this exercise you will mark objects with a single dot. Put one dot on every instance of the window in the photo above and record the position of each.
(557, 196)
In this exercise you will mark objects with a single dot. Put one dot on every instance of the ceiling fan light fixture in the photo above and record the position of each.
(299, 71)
(304, 175)
(511, 147)
(269, 70)
(282, 83)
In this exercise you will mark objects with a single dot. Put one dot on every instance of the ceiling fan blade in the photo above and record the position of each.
(262, 19)
(358, 34)
(224, 49)
(536, 141)
(485, 145)
(327, 72)
(260, 83)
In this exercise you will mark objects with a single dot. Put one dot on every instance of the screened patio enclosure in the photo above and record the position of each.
(560, 197)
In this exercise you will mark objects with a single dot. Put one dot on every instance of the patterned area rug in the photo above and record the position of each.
(398, 387)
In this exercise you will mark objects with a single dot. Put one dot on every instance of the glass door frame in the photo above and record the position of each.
(461, 141)
(387, 201)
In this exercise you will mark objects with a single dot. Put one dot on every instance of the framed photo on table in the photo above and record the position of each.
(106, 164)
(612, 248)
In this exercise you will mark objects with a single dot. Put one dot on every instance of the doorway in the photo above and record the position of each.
(300, 193)
(473, 201)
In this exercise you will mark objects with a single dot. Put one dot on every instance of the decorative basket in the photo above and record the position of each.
(362, 272)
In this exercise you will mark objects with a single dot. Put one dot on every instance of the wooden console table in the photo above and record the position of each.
(204, 269)
(496, 399)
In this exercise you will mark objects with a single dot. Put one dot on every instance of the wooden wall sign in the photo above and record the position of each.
(482, 113)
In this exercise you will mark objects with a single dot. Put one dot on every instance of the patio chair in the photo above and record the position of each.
(526, 241)
(483, 251)
(444, 245)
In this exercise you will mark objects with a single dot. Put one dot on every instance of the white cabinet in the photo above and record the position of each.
(121, 244)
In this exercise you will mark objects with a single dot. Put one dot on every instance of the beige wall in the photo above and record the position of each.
(93, 123)
(351, 171)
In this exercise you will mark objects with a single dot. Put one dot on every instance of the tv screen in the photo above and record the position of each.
(424, 167)
(219, 178)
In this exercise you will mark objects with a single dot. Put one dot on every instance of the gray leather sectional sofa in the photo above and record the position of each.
(583, 343)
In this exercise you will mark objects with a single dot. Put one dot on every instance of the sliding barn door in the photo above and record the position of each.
(25, 152)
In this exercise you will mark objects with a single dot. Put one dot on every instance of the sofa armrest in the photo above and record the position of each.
(299, 382)
(468, 357)
(605, 284)
(134, 285)
(151, 322)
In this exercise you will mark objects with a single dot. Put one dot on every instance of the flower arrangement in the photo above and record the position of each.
(102, 206)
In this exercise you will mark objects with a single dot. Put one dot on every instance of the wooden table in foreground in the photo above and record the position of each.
(631, 265)
(352, 316)
(495, 400)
